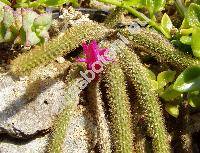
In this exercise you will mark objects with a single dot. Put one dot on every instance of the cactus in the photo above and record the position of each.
(114, 18)
(121, 124)
(95, 98)
(147, 97)
(124, 78)
(61, 123)
(59, 46)
(161, 48)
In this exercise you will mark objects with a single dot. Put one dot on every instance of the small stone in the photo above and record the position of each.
(60, 60)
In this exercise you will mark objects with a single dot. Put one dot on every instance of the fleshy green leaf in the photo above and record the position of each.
(195, 43)
(134, 3)
(194, 99)
(1, 11)
(193, 15)
(28, 19)
(55, 2)
(165, 77)
(5, 2)
(189, 80)
(8, 16)
(172, 110)
(43, 20)
(151, 75)
(166, 22)
(154, 5)
(186, 40)
(170, 94)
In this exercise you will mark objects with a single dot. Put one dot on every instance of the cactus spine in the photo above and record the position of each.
(161, 48)
(59, 46)
(121, 124)
(147, 97)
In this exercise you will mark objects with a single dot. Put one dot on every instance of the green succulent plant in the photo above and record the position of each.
(23, 25)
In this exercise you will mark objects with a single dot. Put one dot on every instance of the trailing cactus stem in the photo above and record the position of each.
(61, 123)
(121, 124)
(114, 18)
(156, 45)
(147, 97)
(94, 96)
(59, 46)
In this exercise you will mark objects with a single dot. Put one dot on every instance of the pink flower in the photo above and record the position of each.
(94, 55)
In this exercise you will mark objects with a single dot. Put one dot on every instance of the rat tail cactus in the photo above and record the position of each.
(159, 47)
(59, 46)
(147, 97)
(95, 98)
(62, 121)
(121, 123)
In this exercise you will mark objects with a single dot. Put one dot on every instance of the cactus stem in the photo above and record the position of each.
(61, 123)
(121, 123)
(161, 48)
(59, 46)
(94, 97)
(147, 97)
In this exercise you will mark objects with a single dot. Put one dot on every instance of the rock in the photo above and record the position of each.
(37, 145)
(30, 104)
(80, 137)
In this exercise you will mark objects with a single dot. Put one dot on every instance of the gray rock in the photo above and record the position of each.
(80, 137)
(37, 145)
(29, 105)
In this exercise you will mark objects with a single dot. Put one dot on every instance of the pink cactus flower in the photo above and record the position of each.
(95, 57)
(93, 54)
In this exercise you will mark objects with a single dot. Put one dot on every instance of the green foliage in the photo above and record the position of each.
(166, 23)
(165, 77)
(152, 6)
(192, 17)
(167, 92)
(188, 80)
(5, 2)
(23, 25)
(190, 28)
(194, 99)
(172, 110)
(170, 94)
(45, 3)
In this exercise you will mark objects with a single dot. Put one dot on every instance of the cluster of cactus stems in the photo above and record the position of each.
(117, 132)
(147, 97)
